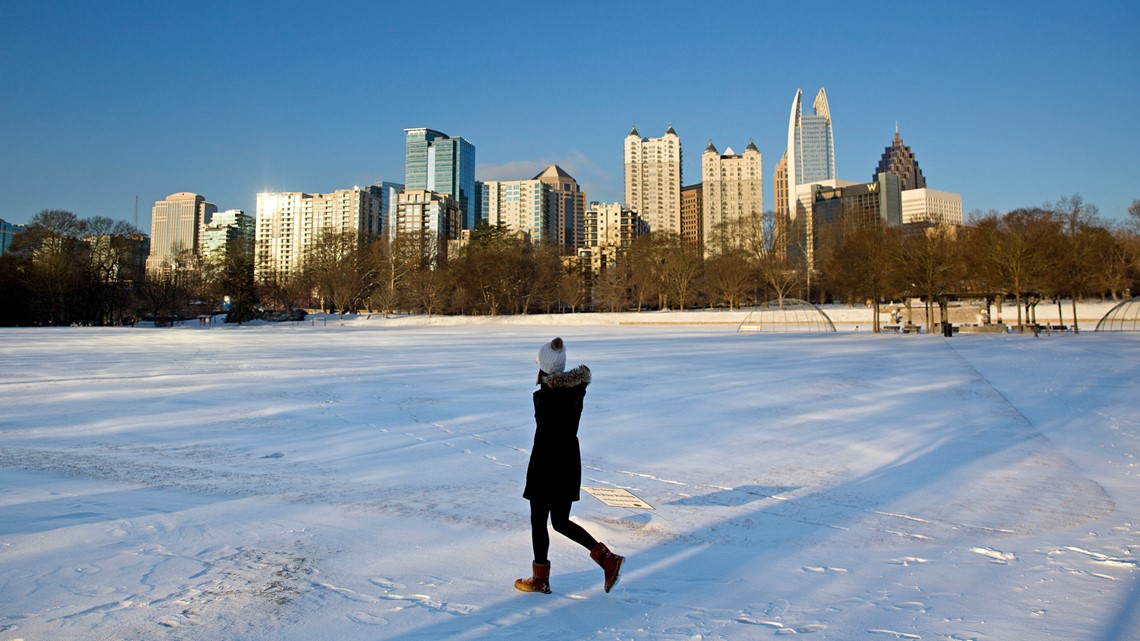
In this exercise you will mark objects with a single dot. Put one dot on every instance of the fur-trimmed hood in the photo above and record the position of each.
(578, 376)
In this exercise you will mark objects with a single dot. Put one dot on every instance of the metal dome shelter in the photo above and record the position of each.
(1125, 317)
(789, 315)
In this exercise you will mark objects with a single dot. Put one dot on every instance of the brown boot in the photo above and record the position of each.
(540, 582)
(610, 562)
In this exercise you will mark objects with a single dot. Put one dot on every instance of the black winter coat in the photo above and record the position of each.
(555, 471)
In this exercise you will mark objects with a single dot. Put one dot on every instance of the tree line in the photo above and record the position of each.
(64, 270)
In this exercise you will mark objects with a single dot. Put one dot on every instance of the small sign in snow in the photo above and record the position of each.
(617, 497)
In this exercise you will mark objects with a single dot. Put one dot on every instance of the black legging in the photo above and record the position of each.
(560, 518)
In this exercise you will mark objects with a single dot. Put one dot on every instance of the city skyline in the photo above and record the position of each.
(1010, 105)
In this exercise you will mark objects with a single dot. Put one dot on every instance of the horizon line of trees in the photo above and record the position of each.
(64, 270)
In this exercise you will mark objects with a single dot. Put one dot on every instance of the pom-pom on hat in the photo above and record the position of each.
(552, 357)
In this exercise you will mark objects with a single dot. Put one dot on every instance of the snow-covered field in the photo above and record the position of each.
(362, 480)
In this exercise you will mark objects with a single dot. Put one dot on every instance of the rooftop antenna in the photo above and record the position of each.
(136, 212)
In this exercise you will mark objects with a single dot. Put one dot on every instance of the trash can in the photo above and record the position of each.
(947, 329)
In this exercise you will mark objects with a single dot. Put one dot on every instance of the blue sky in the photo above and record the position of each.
(1008, 103)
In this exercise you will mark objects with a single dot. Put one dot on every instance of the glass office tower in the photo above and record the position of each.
(811, 147)
(437, 162)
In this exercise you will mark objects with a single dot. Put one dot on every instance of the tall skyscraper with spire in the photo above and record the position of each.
(922, 207)
(811, 146)
(898, 159)
(653, 179)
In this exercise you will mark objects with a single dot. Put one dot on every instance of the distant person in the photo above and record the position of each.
(554, 475)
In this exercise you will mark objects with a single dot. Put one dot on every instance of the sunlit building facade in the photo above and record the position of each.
(570, 202)
(923, 208)
(610, 229)
(288, 224)
(175, 227)
(653, 179)
(431, 218)
(733, 196)
(692, 203)
(527, 206)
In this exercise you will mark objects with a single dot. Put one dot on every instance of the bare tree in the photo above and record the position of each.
(641, 266)
(288, 292)
(488, 269)
(930, 264)
(864, 263)
(393, 261)
(572, 289)
(115, 250)
(537, 277)
(1077, 249)
(163, 294)
(1011, 252)
(58, 266)
(679, 267)
(729, 276)
(236, 280)
(339, 269)
(782, 270)
(430, 287)
(611, 289)
(1112, 262)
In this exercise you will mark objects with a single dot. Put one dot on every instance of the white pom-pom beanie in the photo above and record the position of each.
(552, 357)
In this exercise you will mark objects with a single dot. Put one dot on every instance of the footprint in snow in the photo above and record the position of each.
(761, 622)
(778, 608)
(822, 570)
(908, 560)
(387, 584)
(366, 618)
(917, 606)
(892, 633)
(995, 556)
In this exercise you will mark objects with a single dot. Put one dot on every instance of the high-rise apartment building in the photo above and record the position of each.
(175, 226)
(429, 217)
(781, 219)
(437, 162)
(571, 205)
(288, 224)
(548, 208)
(692, 202)
(609, 231)
(898, 159)
(653, 179)
(526, 206)
(733, 195)
(811, 146)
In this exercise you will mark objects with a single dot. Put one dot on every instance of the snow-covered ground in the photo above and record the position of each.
(362, 480)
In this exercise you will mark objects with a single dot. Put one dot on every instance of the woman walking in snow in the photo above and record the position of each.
(554, 476)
